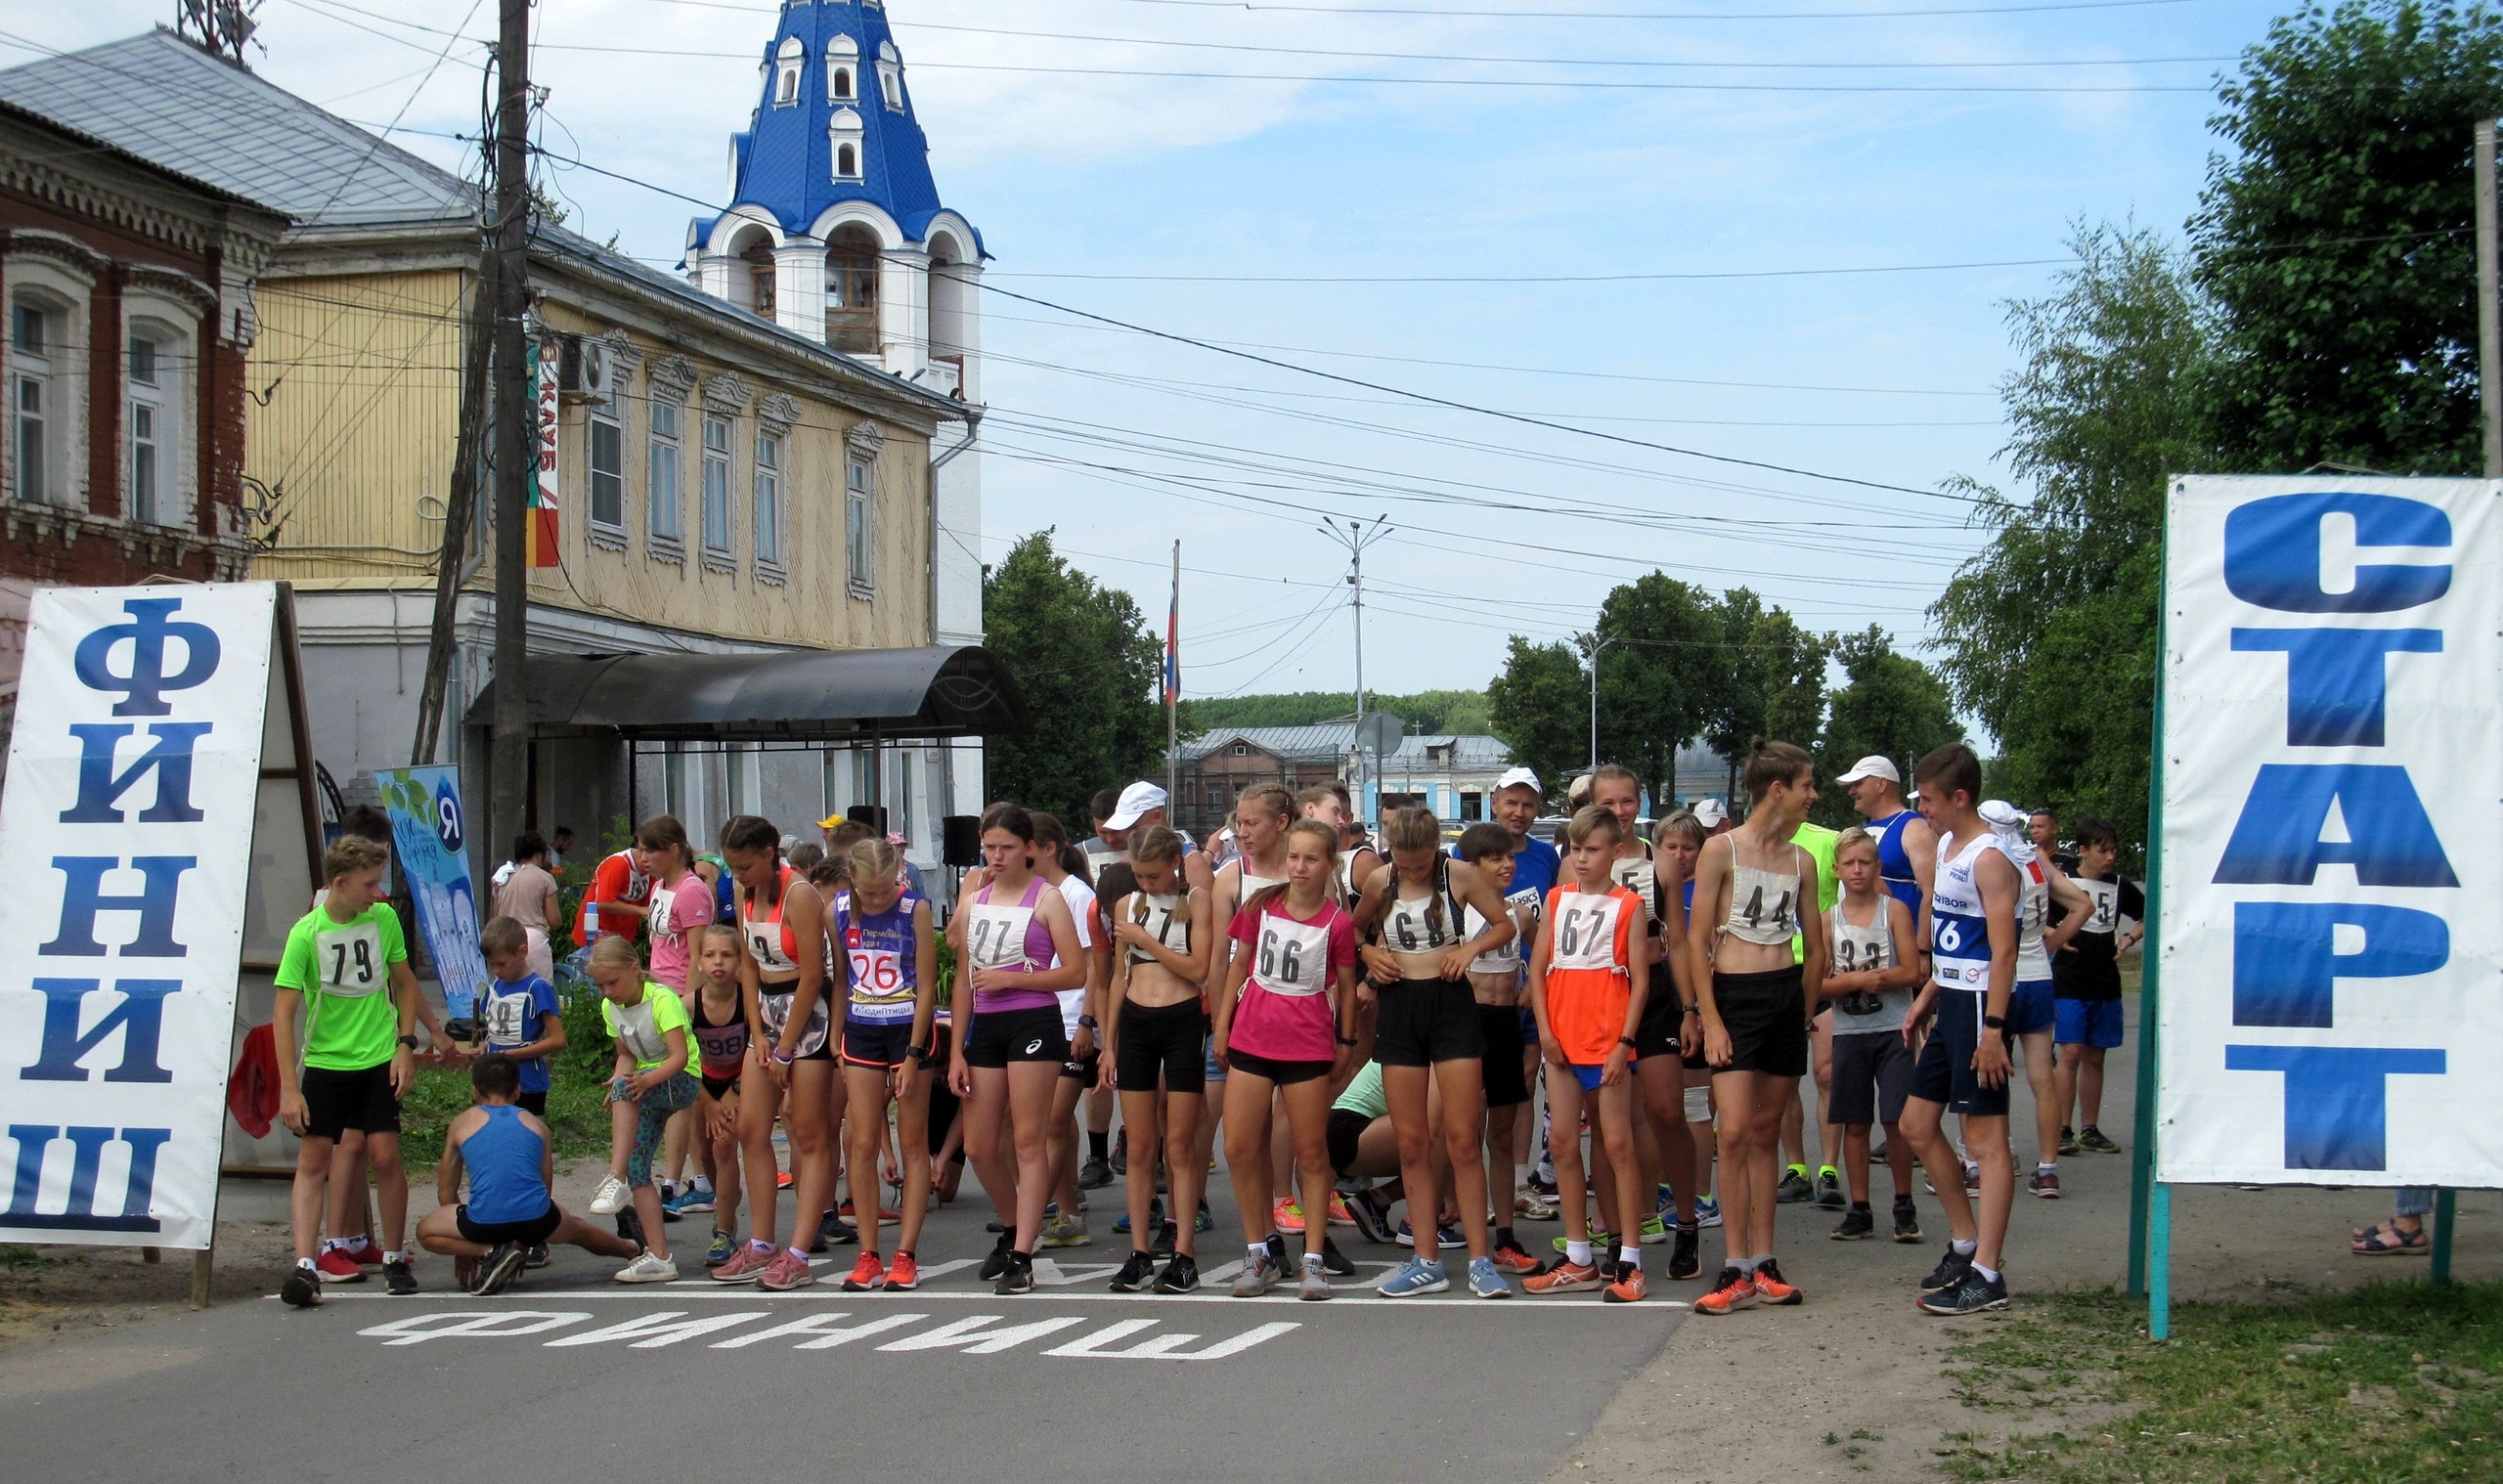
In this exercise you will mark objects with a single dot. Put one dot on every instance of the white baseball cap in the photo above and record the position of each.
(2003, 816)
(1519, 778)
(1708, 812)
(1136, 800)
(1873, 766)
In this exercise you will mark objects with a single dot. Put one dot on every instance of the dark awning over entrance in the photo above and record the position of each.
(827, 695)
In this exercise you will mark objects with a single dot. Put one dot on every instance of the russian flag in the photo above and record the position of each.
(1173, 646)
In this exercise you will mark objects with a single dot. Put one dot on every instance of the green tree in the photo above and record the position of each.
(1088, 663)
(1890, 705)
(1659, 675)
(1769, 679)
(2049, 632)
(1539, 706)
(2336, 241)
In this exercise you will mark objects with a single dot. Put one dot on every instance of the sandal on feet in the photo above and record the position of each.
(2389, 1241)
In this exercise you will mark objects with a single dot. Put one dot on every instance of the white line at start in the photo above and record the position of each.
(970, 1335)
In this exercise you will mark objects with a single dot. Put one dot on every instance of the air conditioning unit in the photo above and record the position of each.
(588, 371)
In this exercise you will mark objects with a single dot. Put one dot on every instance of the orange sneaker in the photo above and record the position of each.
(1628, 1287)
(1286, 1215)
(1339, 1215)
(1565, 1276)
(1772, 1290)
(904, 1274)
(867, 1275)
(1515, 1261)
(1732, 1292)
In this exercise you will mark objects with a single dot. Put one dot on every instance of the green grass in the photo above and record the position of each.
(2393, 1381)
(577, 1105)
(577, 1116)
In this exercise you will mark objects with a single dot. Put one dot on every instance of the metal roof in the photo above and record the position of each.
(1329, 741)
(795, 695)
(165, 99)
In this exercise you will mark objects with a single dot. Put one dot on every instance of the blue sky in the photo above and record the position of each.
(1975, 134)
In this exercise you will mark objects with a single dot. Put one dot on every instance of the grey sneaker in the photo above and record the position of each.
(1064, 1232)
(1970, 1294)
(1486, 1281)
(1316, 1282)
(1255, 1277)
(2092, 1141)
(1094, 1174)
(1794, 1188)
(1829, 1191)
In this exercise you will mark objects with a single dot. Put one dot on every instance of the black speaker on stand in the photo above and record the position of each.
(960, 841)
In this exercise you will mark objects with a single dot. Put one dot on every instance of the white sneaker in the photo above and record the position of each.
(613, 1196)
(649, 1267)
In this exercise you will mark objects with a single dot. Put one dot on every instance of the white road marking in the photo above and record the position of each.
(1347, 1298)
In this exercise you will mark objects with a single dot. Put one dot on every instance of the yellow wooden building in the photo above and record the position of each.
(725, 484)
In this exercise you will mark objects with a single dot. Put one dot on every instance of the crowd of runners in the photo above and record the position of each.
(1446, 1044)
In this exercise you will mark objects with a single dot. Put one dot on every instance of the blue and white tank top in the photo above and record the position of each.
(1960, 930)
(880, 958)
(1894, 865)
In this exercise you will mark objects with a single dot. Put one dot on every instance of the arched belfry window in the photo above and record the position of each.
(891, 76)
(786, 72)
(841, 69)
(844, 133)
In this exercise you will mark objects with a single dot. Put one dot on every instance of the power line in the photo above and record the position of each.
(1703, 16)
(1525, 420)
(1537, 277)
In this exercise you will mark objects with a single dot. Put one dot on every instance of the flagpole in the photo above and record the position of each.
(1173, 678)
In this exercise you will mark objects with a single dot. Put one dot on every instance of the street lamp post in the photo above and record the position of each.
(1598, 644)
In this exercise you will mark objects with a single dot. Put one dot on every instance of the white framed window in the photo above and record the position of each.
(891, 77)
(661, 472)
(860, 480)
(786, 72)
(606, 432)
(156, 360)
(844, 131)
(35, 431)
(768, 499)
(842, 68)
(717, 484)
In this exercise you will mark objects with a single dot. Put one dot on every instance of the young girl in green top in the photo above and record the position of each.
(649, 1023)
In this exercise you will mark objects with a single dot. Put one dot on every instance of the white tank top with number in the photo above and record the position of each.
(1504, 960)
(1764, 905)
(1415, 924)
(2032, 916)
(1292, 958)
(1167, 919)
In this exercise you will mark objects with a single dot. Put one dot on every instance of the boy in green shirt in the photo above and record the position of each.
(346, 967)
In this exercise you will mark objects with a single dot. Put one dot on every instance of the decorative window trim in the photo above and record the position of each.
(179, 317)
(607, 535)
(673, 376)
(728, 393)
(865, 439)
(623, 350)
(724, 563)
(665, 549)
(779, 413)
(723, 557)
(788, 60)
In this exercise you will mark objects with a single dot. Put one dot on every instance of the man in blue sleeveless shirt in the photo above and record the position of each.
(505, 1149)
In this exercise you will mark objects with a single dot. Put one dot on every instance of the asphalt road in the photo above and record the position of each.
(581, 1378)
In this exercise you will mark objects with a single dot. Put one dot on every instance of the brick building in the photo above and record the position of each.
(127, 292)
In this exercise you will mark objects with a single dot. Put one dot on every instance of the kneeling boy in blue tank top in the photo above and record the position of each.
(504, 1150)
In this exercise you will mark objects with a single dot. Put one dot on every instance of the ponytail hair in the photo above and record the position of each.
(1051, 835)
(1273, 799)
(1156, 843)
(874, 859)
(746, 833)
(1770, 763)
(1412, 828)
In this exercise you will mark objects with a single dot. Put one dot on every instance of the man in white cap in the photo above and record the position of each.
(1712, 815)
(1141, 804)
(1906, 847)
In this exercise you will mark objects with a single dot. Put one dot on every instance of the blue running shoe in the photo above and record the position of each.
(1707, 1212)
(1486, 1281)
(1156, 1216)
(1414, 1277)
(724, 1245)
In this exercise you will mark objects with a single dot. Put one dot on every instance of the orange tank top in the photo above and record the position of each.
(1590, 942)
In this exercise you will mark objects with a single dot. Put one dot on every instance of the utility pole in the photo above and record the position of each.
(1355, 538)
(2489, 334)
(515, 455)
